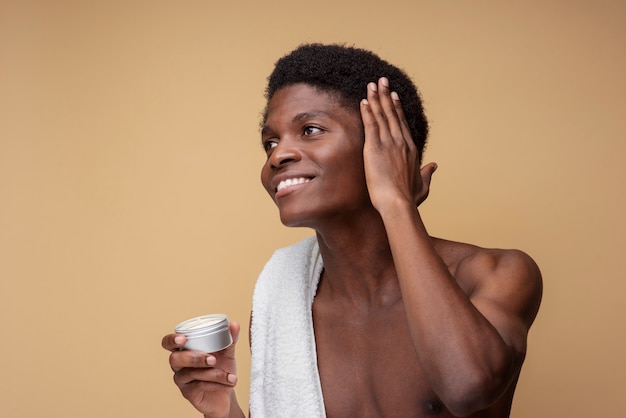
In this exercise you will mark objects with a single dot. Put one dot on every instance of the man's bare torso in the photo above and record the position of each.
(366, 357)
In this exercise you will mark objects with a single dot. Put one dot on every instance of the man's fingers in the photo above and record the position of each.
(406, 132)
(217, 378)
(389, 110)
(380, 115)
(379, 108)
(234, 331)
(173, 342)
(369, 123)
(191, 358)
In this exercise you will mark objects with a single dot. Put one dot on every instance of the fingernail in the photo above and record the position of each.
(384, 81)
(364, 102)
(210, 360)
(395, 96)
(373, 87)
(232, 378)
(179, 339)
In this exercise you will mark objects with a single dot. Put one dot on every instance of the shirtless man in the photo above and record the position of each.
(405, 324)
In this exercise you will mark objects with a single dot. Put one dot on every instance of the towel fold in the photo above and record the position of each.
(285, 380)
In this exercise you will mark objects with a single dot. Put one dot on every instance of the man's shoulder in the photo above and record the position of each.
(474, 266)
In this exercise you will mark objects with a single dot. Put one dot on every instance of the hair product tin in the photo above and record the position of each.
(208, 333)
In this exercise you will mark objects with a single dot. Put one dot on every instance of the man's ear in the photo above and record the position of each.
(423, 176)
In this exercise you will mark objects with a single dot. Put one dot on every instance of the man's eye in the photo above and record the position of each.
(309, 130)
(269, 144)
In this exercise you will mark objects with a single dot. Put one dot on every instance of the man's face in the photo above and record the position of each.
(314, 169)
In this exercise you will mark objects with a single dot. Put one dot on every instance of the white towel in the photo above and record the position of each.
(285, 380)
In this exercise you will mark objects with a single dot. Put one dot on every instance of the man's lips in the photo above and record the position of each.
(292, 181)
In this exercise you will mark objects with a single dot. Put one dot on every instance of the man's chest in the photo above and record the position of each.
(369, 368)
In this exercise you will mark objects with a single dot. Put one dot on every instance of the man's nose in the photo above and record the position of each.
(286, 151)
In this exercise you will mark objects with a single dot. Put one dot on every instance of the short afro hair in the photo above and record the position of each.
(345, 70)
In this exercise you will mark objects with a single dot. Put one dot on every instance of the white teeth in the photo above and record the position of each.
(291, 182)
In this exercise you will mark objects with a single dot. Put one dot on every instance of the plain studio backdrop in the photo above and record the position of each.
(130, 197)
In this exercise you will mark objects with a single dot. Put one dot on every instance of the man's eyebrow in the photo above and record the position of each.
(300, 116)
(312, 114)
(265, 129)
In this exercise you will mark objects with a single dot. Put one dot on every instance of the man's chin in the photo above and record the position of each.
(292, 221)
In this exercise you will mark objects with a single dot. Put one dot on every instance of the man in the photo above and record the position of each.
(372, 317)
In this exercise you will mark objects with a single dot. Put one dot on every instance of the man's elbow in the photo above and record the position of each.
(477, 393)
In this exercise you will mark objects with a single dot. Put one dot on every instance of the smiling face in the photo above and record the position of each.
(314, 169)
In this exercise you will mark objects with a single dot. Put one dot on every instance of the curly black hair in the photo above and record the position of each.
(345, 71)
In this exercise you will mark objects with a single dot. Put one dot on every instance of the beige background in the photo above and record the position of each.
(130, 200)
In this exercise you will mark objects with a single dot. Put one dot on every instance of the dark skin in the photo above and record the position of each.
(406, 325)
(386, 379)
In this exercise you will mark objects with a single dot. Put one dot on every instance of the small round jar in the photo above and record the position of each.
(208, 333)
